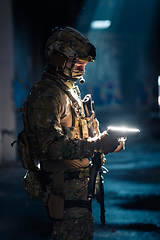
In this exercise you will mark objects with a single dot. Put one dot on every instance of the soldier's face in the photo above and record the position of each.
(79, 65)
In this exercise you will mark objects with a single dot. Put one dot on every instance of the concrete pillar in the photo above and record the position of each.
(7, 119)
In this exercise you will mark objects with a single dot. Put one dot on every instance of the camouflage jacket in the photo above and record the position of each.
(54, 117)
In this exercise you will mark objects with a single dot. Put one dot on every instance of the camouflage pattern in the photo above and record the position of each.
(74, 228)
(71, 43)
(78, 190)
(32, 184)
(50, 116)
(54, 119)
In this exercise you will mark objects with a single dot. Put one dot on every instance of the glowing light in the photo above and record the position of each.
(123, 129)
(159, 90)
(100, 24)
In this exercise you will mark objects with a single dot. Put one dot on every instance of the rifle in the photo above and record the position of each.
(95, 185)
(96, 178)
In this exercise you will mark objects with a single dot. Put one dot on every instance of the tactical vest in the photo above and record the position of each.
(84, 126)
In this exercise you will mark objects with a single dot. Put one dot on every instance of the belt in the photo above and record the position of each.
(77, 203)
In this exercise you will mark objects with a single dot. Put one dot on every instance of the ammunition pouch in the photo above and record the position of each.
(32, 183)
(24, 153)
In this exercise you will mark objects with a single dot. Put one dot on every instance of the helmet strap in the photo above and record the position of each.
(73, 63)
(70, 70)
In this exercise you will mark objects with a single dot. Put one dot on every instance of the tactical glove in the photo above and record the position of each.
(104, 143)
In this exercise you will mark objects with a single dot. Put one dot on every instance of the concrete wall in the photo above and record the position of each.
(7, 119)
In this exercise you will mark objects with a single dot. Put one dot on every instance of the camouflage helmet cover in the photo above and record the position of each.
(71, 43)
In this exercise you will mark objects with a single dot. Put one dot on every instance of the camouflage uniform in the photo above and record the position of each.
(57, 133)
(55, 123)
(74, 228)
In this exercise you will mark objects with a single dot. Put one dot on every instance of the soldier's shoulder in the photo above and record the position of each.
(45, 88)
(43, 91)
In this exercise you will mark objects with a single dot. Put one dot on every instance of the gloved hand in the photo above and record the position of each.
(106, 144)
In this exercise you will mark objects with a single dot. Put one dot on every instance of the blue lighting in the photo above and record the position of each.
(100, 24)
(158, 81)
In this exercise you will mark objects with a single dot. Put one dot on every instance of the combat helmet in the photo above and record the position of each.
(68, 43)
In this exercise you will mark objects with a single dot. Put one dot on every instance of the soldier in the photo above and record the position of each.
(55, 120)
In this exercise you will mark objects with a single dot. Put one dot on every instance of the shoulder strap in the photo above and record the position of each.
(73, 94)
